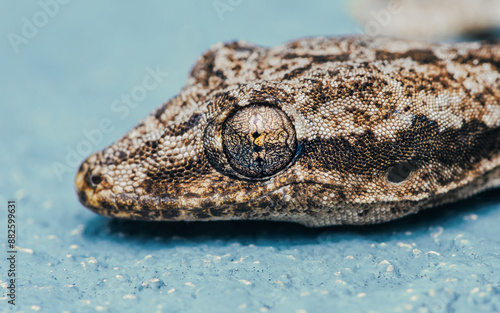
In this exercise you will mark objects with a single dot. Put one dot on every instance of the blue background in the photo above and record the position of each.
(61, 81)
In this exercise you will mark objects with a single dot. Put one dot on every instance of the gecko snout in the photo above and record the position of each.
(91, 186)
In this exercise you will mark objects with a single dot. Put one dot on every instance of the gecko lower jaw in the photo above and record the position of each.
(95, 192)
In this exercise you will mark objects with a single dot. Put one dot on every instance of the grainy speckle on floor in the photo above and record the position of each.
(60, 85)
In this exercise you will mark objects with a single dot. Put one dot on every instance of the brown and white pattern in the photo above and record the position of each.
(318, 131)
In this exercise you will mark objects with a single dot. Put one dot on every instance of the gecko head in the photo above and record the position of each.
(223, 159)
(254, 153)
(360, 147)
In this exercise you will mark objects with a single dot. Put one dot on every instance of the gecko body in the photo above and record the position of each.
(319, 131)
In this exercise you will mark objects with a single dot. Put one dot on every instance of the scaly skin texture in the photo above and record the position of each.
(318, 131)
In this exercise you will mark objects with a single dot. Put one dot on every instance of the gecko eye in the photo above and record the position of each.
(400, 172)
(259, 140)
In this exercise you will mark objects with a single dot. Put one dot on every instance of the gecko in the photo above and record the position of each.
(317, 131)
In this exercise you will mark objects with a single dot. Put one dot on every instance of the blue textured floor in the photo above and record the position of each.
(62, 81)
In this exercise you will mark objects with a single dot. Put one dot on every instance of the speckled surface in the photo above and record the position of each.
(63, 82)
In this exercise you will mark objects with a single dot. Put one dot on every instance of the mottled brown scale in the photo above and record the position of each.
(319, 131)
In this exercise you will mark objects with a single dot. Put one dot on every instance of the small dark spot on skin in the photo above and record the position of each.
(181, 129)
(330, 58)
(366, 86)
(291, 56)
(363, 213)
(190, 195)
(82, 196)
(341, 195)
(122, 155)
(242, 208)
(257, 148)
(421, 56)
(170, 214)
(106, 205)
(217, 211)
(129, 206)
(202, 214)
(192, 122)
(296, 72)
(152, 144)
(220, 74)
(160, 111)
(242, 49)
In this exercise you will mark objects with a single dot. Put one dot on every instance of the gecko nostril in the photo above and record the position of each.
(95, 179)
